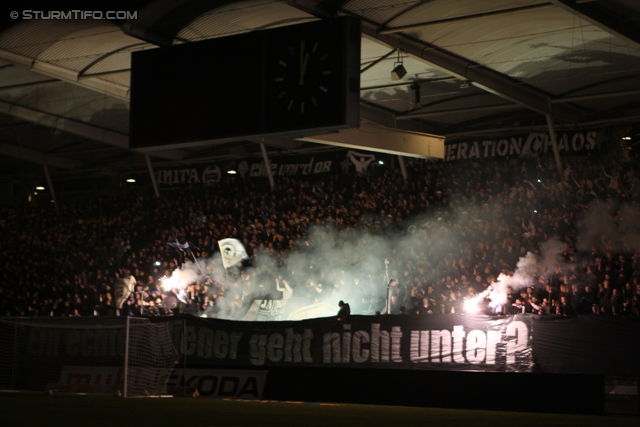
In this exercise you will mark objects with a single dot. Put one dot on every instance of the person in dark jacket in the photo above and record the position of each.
(344, 312)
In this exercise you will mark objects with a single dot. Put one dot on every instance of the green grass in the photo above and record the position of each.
(20, 409)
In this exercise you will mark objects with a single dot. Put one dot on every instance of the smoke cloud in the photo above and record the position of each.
(349, 263)
(610, 228)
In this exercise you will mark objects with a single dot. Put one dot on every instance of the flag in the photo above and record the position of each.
(123, 287)
(232, 252)
(181, 244)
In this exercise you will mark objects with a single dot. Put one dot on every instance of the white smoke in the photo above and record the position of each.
(551, 253)
(526, 274)
(609, 227)
(523, 276)
(348, 263)
(181, 277)
(338, 259)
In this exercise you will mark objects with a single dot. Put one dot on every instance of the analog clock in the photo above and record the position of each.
(304, 77)
(311, 77)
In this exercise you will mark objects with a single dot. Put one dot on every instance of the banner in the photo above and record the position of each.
(234, 384)
(442, 342)
(283, 166)
(532, 144)
(596, 345)
(266, 309)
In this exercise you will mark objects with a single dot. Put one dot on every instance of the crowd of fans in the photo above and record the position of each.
(469, 223)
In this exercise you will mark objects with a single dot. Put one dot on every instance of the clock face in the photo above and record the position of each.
(311, 77)
(305, 78)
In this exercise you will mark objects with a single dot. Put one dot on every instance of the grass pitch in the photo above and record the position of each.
(23, 409)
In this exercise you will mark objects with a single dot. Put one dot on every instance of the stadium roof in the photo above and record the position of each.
(491, 67)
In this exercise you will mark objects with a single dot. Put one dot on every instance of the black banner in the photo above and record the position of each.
(532, 144)
(443, 342)
(283, 166)
(597, 345)
(607, 345)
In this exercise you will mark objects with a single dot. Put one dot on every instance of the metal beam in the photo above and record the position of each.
(596, 15)
(379, 60)
(384, 140)
(595, 96)
(408, 83)
(64, 124)
(103, 73)
(483, 78)
(404, 28)
(459, 111)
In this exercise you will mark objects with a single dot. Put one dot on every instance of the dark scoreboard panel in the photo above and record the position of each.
(291, 80)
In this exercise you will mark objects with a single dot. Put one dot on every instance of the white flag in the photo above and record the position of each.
(232, 252)
(123, 287)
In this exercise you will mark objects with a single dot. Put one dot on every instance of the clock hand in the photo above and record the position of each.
(304, 59)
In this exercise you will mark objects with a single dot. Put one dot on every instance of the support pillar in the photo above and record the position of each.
(153, 176)
(51, 189)
(267, 166)
(403, 169)
(554, 143)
